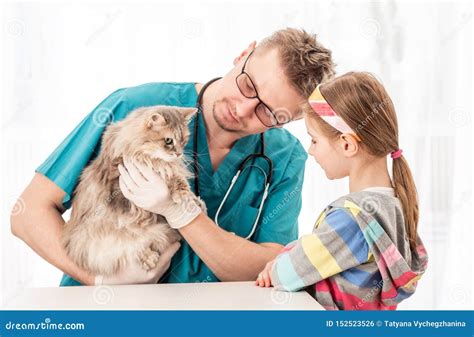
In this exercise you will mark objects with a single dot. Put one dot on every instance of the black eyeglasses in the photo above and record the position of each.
(264, 113)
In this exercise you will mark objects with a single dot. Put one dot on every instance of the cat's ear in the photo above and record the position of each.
(155, 119)
(188, 113)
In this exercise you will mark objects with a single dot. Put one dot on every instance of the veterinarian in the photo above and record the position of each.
(263, 91)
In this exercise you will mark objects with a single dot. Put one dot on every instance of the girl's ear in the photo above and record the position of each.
(245, 52)
(349, 145)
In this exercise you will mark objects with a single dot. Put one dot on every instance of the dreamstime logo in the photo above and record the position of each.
(370, 204)
(110, 18)
(375, 111)
(458, 294)
(464, 20)
(369, 28)
(280, 297)
(15, 27)
(368, 297)
(282, 115)
(195, 289)
(103, 295)
(102, 117)
(102, 207)
(288, 197)
(48, 324)
(15, 205)
(459, 117)
(461, 200)
(192, 28)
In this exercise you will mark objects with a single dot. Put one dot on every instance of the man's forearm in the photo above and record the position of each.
(230, 257)
(41, 230)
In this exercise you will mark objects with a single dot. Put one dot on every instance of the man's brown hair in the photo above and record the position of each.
(305, 61)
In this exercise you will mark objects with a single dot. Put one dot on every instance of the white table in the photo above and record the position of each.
(178, 296)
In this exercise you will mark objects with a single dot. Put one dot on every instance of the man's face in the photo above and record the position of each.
(234, 112)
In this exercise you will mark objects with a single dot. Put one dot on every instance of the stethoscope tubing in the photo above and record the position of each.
(261, 154)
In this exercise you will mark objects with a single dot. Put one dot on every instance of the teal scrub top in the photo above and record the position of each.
(278, 221)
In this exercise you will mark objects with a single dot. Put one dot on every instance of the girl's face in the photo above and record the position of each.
(328, 152)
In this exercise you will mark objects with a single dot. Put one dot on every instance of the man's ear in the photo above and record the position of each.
(245, 52)
(349, 145)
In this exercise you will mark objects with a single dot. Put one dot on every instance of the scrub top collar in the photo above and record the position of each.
(226, 170)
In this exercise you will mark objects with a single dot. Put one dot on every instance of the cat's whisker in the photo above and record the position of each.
(190, 154)
(190, 161)
(190, 164)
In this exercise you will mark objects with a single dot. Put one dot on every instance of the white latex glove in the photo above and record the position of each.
(146, 189)
(135, 274)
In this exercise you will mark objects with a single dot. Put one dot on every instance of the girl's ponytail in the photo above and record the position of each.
(405, 190)
(362, 102)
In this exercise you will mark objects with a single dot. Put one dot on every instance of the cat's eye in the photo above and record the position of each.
(168, 141)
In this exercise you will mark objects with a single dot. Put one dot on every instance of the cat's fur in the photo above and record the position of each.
(106, 231)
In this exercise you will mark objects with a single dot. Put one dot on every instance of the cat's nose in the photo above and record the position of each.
(179, 154)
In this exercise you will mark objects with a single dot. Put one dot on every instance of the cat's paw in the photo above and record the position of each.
(189, 199)
(180, 196)
(201, 204)
(148, 258)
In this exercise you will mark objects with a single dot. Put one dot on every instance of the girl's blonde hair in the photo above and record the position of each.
(362, 102)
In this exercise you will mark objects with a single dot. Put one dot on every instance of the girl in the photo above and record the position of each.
(364, 252)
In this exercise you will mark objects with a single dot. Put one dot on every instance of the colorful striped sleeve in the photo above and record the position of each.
(337, 244)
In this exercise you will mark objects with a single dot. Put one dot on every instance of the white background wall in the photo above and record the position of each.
(59, 60)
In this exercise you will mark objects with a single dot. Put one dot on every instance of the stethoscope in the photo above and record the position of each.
(268, 175)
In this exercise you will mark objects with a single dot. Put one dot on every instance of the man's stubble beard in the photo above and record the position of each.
(220, 123)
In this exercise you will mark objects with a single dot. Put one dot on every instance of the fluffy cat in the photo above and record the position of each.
(106, 231)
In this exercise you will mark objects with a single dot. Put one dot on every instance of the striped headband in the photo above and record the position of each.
(324, 110)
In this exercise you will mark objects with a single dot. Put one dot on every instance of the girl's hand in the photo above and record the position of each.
(263, 279)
